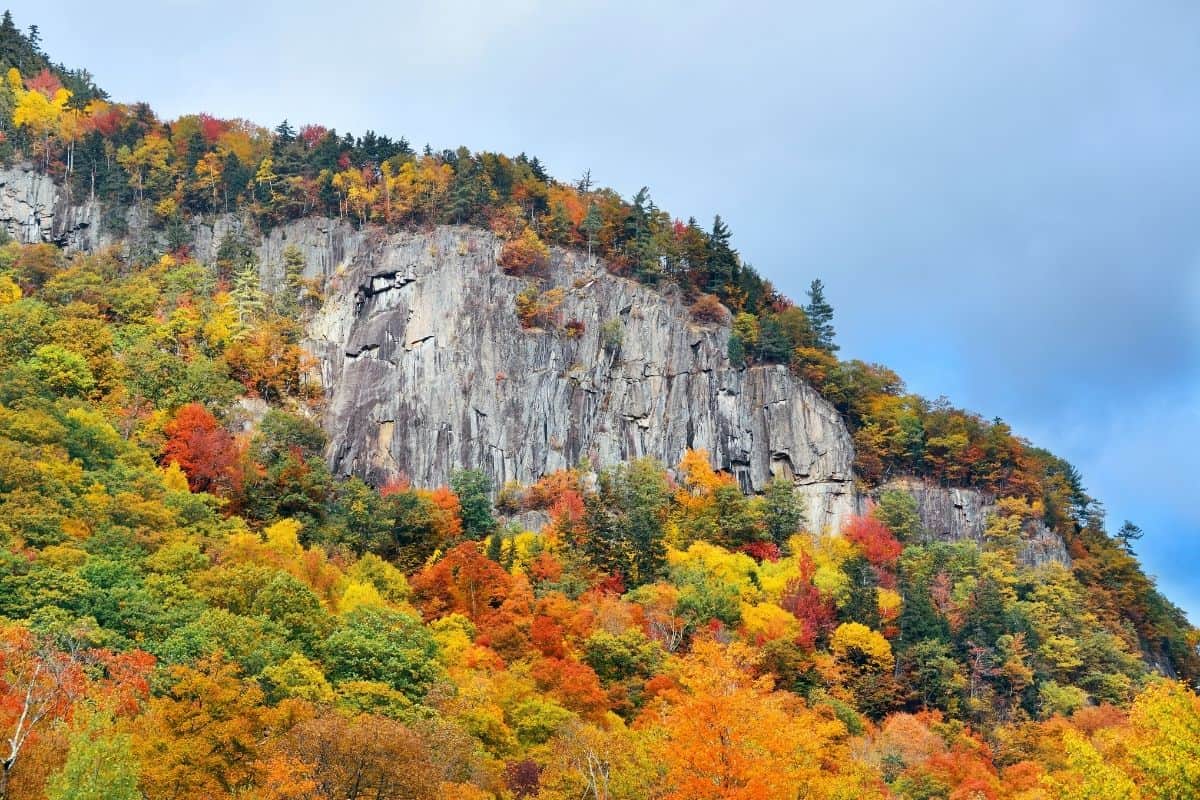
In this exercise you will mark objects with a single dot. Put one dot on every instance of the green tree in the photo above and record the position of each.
(474, 490)
(1127, 534)
(100, 764)
(897, 509)
(783, 510)
(722, 265)
(381, 645)
(820, 316)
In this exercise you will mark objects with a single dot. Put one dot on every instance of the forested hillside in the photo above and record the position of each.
(193, 606)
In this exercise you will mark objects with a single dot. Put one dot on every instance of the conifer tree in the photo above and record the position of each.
(820, 316)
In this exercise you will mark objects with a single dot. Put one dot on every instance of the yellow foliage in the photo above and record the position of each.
(9, 291)
(888, 602)
(732, 568)
(767, 622)
(284, 537)
(39, 113)
(853, 639)
(357, 595)
(1166, 739)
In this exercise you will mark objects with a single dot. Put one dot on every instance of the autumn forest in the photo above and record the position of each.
(192, 605)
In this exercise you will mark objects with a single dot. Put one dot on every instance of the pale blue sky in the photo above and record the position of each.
(1002, 198)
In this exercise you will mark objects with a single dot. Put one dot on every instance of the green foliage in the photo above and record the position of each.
(100, 764)
(782, 510)
(898, 511)
(474, 490)
(390, 647)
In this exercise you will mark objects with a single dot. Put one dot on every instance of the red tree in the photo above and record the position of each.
(463, 580)
(874, 540)
(806, 603)
(205, 451)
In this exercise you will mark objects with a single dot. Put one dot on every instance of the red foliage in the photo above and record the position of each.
(205, 451)
(211, 128)
(545, 568)
(611, 584)
(762, 551)
(126, 678)
(45, 82)
(805, 602)
(463, 580)
(547, 636)
(874, 540)
(311, 134)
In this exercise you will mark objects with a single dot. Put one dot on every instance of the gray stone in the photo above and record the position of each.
(427, 370)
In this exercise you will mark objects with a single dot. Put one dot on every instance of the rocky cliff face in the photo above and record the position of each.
(428, 370)
(33, 209)
(952, 514)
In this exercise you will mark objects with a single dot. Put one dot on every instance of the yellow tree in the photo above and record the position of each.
(1166, 740)
(726, 735)
(39, 112)
(148, 164)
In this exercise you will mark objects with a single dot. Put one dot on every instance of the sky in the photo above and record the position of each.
(1003, 199)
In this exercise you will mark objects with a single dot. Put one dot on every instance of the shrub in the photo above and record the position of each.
(708, 310)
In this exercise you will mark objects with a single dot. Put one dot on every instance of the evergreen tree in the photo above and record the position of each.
(774, 345)
(495, 547)
(783, 510)
(820, 316)
(722, 259)
(1127, 535)
(592, 223)
(474, 490)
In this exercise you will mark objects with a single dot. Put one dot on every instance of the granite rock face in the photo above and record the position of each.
(952, 514)
(429, 370)
(34, 209)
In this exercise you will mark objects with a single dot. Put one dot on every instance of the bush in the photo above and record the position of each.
(525, 255)
(709, 311)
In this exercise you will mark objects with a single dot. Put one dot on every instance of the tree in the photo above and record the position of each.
(722, 262)
(463, 581)
(1166, 740)
(726, 736)
(820, 317)
(525, 255)
(474, 490)
(783, 510)
(38, 685)
(1128, 534)
(202, 736)
(363, 758)
(378, 644)
(39, 110)
(99, 766)
(897, 510)
(204, 450)
(591, 226)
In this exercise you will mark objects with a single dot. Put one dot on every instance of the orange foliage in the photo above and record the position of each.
(204, 450)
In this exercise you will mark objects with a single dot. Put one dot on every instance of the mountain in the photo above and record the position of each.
(331, 469)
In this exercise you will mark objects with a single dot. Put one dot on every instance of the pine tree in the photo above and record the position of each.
(495, 547)
(1127, 535)
(722, 259)
(820, 316)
